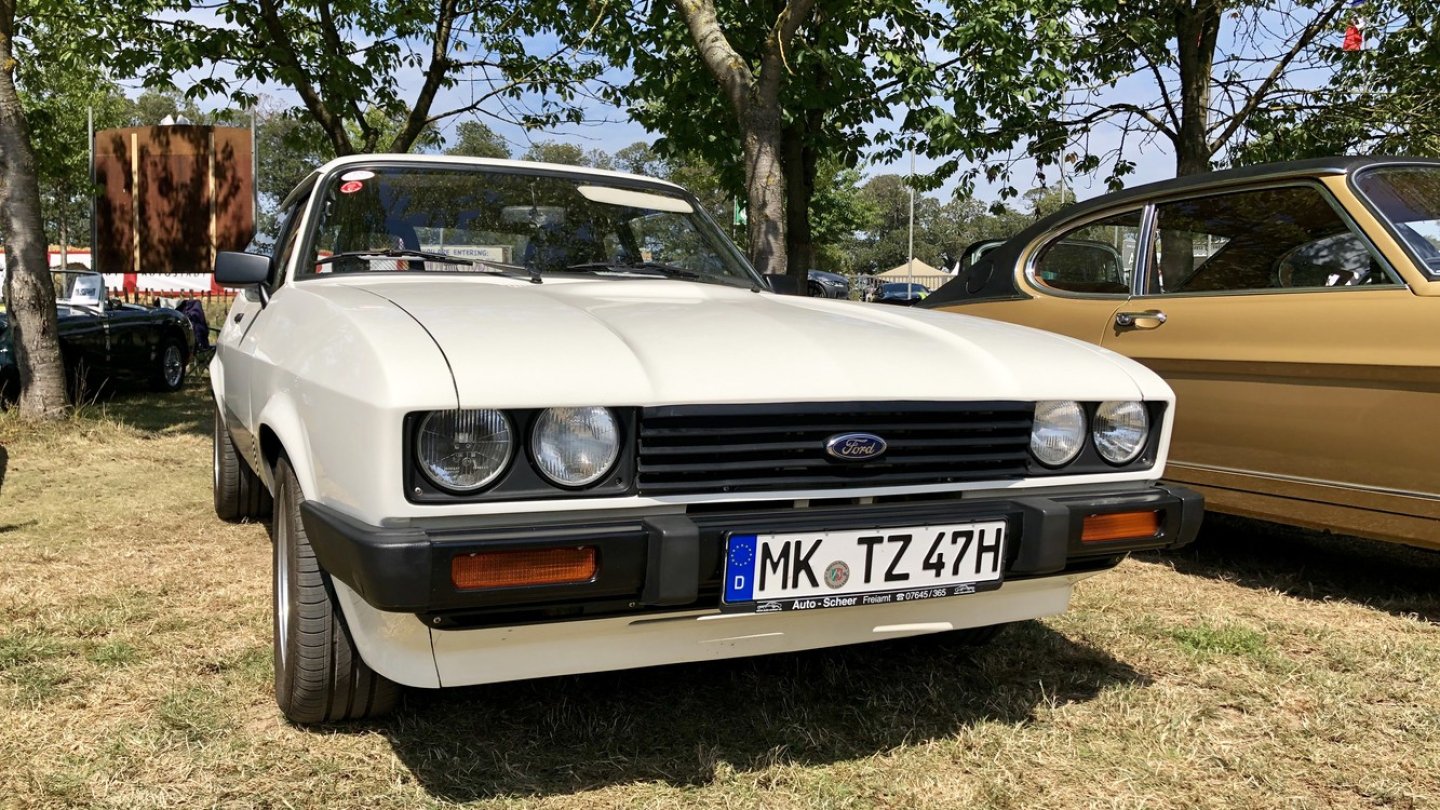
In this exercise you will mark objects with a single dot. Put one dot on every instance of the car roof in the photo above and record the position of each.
(981, 280)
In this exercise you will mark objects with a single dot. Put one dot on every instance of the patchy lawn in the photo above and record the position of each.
(1263, 668)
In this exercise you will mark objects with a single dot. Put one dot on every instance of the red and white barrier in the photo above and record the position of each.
(170, 284)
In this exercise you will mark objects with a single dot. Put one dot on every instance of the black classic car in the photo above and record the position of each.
(902, 293)
(103, 339)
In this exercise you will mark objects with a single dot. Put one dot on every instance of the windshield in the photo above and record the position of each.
(488, 220)
(1409, 197)
(76, 288)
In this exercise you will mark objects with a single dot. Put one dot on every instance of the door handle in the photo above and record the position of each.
(1150, 319)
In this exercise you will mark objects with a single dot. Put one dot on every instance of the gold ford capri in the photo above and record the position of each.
(1287, 305)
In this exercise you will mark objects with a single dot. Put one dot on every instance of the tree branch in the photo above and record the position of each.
(716, 52)
(1320, 23)
(288, 57)
(435, 75)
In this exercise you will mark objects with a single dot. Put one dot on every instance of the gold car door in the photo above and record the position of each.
(1076, 281)
(1303, 368)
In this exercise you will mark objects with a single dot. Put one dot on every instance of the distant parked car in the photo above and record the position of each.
(903, 293)
(523, 420)
(1290, 307)
(828, 285)
(102, 339)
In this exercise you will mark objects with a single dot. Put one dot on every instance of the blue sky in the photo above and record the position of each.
(611, 129)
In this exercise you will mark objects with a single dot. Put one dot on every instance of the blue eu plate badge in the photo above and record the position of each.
(740, 569)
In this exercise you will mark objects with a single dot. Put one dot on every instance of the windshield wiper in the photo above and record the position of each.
(655, 268)
(396, 253)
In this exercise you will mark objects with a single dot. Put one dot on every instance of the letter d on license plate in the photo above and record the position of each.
(838, 568)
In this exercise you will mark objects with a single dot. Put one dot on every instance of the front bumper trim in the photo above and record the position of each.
(671, 561)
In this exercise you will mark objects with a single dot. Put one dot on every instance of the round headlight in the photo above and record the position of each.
(1121, 430)
(1058, 432)
(575, 446)
(462, 451)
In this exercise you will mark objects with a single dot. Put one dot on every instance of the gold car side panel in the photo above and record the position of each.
(1317, 409)
(1080, 318)
(1318, 396)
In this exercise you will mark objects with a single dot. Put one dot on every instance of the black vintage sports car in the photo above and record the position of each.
(103, 339)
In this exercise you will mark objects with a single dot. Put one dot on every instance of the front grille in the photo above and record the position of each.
(756, 448)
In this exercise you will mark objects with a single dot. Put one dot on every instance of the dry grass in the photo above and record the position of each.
(1262, 669)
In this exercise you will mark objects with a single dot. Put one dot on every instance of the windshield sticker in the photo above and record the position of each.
(358, 174)
(351, 187)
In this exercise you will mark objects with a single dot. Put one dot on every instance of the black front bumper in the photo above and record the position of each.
(673, 561)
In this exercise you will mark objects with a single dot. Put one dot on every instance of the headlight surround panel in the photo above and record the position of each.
(521, 480)
(1090, 461)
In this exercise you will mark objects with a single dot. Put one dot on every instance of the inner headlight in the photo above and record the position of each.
(462, 451)
(1121, 430)
(575, 446)
(1058, 432)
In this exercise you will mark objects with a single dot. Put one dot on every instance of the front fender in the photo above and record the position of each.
(280, 429)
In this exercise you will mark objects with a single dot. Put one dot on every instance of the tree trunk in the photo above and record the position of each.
(800, 160)
(765, 190)
(29, 293)
(754, 98)
(1196, 30)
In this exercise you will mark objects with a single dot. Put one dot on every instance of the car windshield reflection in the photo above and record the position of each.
(1409, 198)
(486, 220)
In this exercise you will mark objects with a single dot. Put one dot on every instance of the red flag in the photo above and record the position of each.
(1354, 40)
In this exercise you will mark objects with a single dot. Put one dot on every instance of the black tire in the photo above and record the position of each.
(9, 387)
(170, 364)
(815, 290)
(240, 495)
(319, 676)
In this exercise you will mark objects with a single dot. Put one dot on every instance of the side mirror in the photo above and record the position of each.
(782, 283)
(234, 269)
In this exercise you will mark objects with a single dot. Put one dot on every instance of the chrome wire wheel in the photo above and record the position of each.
(173, 366)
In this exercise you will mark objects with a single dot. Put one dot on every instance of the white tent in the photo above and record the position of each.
(903, 271)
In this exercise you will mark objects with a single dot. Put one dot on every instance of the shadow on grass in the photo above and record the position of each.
(1312, 565)
(4, 465)
(188, 410)
(685, 725)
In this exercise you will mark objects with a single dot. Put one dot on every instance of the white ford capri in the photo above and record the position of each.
(516, 420)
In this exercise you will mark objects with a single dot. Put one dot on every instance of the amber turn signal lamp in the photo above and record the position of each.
(1120, 526)
(536, 566)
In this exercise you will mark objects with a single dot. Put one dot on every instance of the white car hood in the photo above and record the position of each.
(640, 342)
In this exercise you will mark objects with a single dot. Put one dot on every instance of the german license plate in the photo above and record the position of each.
(807, 570)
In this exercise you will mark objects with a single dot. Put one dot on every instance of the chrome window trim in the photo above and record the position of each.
(1396, 281)
(1044, 240)
(1143, 259)
(1351, 182)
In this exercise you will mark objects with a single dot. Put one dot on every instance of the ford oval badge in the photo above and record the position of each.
(855, 446)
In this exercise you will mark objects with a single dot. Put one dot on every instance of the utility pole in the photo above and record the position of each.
(910, 262)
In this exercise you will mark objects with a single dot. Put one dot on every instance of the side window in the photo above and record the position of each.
(1098, 258)
(1270, 239)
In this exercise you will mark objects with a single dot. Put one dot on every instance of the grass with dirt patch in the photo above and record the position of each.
(1261, 668)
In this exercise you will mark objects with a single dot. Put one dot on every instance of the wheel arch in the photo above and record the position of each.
(281, 432)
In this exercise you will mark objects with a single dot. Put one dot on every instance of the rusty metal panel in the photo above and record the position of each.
(114, 210)
(171, 196)
(234, 188)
